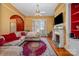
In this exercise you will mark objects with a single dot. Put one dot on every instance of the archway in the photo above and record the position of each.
(16, 24)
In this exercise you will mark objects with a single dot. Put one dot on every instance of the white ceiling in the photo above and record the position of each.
(29, 9)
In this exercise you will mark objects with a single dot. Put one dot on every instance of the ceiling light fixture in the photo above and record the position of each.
(37, 13)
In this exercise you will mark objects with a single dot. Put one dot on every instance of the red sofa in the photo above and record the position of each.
(11, 37)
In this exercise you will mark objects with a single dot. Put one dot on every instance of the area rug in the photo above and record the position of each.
(49, 51)
(34, 48)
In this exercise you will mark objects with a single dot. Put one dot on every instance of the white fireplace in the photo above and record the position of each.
(58, 35)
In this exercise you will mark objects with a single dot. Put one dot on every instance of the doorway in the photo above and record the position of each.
(16, 23)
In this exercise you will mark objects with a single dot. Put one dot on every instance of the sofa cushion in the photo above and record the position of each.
(15, 42)
(2, 40)
(18, 34)
(23, 33)
(2, 37)
(10, 37)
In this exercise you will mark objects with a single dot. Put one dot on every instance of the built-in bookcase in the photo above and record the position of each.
(75, 19)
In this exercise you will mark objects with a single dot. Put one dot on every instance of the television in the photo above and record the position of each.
(58, 19)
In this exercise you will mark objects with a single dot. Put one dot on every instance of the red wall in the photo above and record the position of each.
(75, 18)
(19, 22)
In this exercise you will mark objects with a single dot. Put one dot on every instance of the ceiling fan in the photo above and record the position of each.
(38, 12)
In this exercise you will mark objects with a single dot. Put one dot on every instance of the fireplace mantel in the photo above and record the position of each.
(58, 30)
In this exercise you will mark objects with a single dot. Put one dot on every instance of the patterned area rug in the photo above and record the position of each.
(34, 48)
(49, 51)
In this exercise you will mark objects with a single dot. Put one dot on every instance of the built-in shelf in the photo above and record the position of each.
(75, 30)
(75, 21)
(75, 13)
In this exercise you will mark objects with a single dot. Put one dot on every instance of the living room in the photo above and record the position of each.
(38, 20)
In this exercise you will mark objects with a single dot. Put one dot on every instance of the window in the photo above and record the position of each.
(38, 25)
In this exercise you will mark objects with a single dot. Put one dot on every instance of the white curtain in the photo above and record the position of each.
(39, 25)
(13, 27)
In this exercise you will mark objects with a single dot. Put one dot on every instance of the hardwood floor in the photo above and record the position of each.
(58, 51)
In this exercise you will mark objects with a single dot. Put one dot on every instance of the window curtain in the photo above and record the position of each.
(39, 25)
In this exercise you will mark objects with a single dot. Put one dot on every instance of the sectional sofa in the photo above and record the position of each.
(10, 44)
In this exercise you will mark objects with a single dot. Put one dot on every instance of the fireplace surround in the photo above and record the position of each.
(58, 35)
(58, 38)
